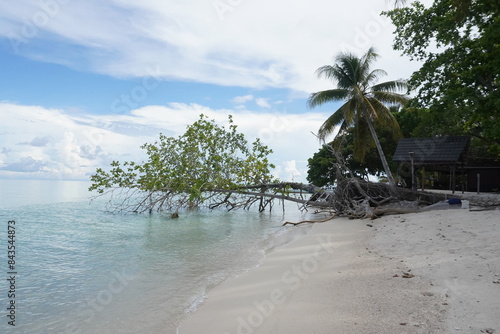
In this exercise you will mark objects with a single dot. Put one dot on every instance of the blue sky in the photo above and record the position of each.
(83, 83)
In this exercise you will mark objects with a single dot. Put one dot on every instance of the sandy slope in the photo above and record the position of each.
(347, 277)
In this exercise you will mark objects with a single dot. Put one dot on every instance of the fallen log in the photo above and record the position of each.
(361, 199)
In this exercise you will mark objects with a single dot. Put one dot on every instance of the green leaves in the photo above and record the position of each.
(364, 102)
(319, 98)
(459, 44)
(355, 85)
(206, 158)
(322, 170)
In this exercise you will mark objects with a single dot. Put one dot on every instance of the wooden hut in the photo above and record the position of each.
(447, 156)
(443, 154)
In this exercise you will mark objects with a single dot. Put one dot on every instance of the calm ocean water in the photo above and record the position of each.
(82, 270)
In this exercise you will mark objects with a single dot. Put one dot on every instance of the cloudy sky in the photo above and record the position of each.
(83, 83)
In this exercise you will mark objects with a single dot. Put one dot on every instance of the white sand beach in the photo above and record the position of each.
(428, 272)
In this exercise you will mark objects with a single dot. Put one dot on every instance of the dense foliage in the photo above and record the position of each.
(321, 167)
(457, 85)
(456, 88)
(184, 172)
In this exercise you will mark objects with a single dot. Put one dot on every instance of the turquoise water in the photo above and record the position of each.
(82, 270)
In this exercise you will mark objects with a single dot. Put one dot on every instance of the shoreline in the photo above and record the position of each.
(344, 276)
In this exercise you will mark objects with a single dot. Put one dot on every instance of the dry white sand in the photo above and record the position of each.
(347, 277)
(459, 251)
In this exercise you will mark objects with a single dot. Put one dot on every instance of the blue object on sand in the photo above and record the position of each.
(454, 201)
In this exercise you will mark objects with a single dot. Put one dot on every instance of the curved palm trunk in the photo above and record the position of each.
(380, 152)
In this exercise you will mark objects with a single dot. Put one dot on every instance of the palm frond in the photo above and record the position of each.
(391, 98)
(359, 96)
(339, 117)
(367, 59)
(344, 56)
(348, 70)
(331, 95)
(392, 86)
(351, 111)
(351, 67)
(326, 71)
(385, 119)
(369, 109)
(363, 140)
(371, 77)
(339, 139)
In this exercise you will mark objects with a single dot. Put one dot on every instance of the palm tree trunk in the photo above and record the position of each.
(380, 152)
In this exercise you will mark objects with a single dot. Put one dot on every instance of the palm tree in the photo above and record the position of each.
(364, 103)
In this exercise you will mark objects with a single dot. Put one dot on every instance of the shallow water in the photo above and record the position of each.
(82, 270)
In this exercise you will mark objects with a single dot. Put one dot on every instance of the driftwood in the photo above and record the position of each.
(309, 221)
(361, 199)
(356, 198)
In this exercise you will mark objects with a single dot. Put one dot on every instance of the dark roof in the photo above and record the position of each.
(435, 150)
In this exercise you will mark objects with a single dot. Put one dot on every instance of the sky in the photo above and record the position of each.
(83, 83)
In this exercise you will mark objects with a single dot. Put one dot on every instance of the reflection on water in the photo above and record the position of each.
(82, 270)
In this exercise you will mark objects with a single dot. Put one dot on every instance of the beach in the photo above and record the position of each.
(426, 272)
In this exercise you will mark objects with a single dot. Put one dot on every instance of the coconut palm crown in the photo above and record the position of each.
(366, 104)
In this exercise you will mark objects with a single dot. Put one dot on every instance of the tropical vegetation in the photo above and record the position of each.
(456, 88)
(206, 162)
(365, 103)
(458, 42)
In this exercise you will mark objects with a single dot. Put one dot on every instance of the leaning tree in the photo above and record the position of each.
(209, 165)
(365, 104)
(216, 167)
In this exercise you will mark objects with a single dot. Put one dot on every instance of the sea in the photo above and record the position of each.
(77, 268)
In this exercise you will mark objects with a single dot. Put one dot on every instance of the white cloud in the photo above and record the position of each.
(262, 102)
(72, 146)
(242, 99)
(251, 43)
(37, 141)
(291, 169)
(27, 164)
